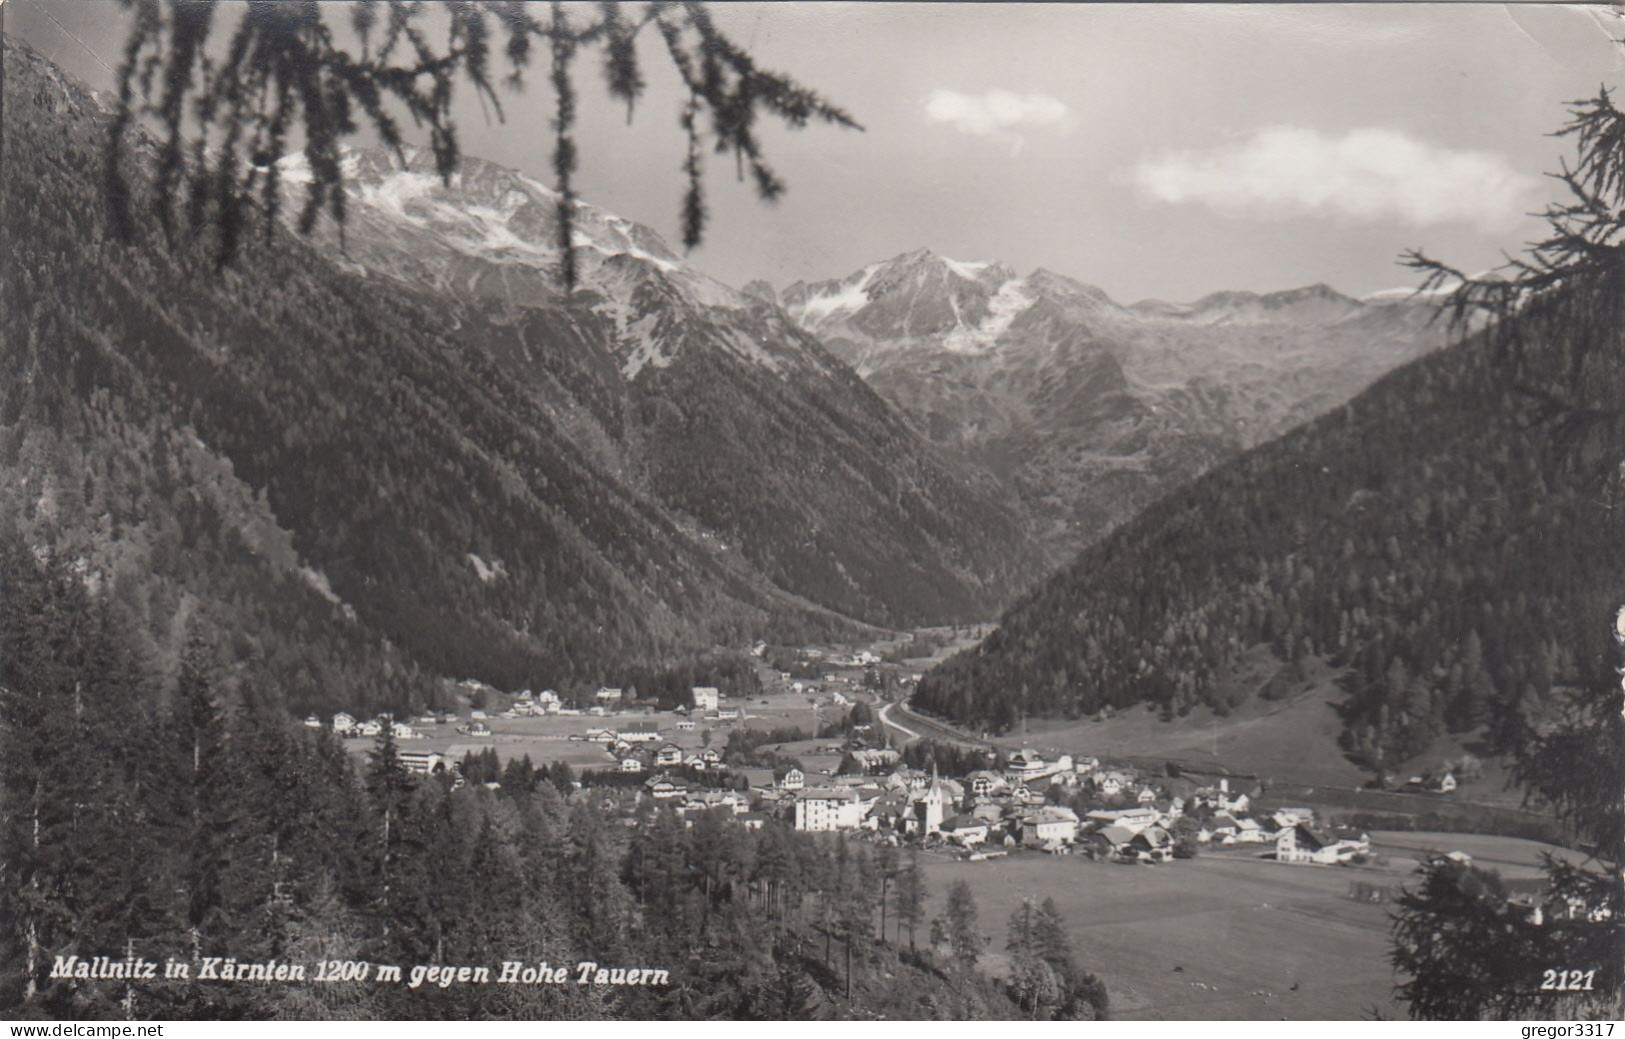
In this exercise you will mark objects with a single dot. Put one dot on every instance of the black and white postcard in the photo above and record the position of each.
(812, 511)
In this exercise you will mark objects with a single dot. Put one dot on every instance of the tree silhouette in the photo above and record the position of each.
(1575, 278)
(1555, 317)
(226, 120)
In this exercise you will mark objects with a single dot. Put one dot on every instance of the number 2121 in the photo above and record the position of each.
(1567, 980)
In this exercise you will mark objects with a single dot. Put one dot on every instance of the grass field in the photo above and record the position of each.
(1244, 930)
(547, 739)
(1294, 738)
(1509, 856)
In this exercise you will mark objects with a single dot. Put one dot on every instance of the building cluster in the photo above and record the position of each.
(1135, 819)
(346, 725)
(1058, 805)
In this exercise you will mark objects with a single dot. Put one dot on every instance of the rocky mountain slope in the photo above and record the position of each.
(370, 482)
(1094, 409)
(708, 399)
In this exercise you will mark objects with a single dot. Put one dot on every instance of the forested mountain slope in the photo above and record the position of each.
(328, 472)
(709, 400)
(1441, 536)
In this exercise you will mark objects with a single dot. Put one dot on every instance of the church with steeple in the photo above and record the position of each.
(930, 807)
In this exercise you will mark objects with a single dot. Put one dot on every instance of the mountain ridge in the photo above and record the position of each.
(1092, 408)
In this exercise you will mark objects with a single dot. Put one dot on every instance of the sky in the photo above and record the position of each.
(1162, 151)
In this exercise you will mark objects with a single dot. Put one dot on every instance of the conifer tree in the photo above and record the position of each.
(389, 786)
(958, 926)
(285, 73)
(1556, 319)
(910, 898)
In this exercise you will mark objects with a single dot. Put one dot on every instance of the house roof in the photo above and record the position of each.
(1051, 814)
(1313, 836)
(824, 793)
(1115, 835)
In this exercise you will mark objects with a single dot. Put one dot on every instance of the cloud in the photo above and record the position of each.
(1364, 175)
(997, 114)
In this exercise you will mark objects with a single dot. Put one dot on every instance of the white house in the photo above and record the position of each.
(402, 731)
(639, 732)
(728, 799)
(1304, 843)
(631, 765)
(1286, 818)
(794, 779)
(422, 762)
(1249, 832)
(686, 725)
(1053, 824)
(1024, 764)
(663, 789)
(828, 808)
(313, 722)
(985, 784)
(670, 754)
(370, 729)
(1110, 783)
(706, 697)
(965, 830)
(1131, 819)
(343, 722)
(606, 695)
(728, 714)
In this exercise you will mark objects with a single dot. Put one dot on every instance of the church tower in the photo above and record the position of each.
(928, 810)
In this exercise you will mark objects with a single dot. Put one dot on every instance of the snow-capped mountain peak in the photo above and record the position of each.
(963, 305)
(495, 213)
(489, 237)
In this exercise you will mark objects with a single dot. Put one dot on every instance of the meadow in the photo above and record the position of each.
(1224, 936)
(547, 738)
(1511, 857)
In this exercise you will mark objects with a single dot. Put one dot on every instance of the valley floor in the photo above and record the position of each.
(1226, 936)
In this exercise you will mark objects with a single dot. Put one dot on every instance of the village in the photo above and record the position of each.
(1016, 802)
(1187, 880)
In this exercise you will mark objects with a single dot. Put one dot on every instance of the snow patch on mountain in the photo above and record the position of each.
(848, 299)
(970, 271)
(1003, 308)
